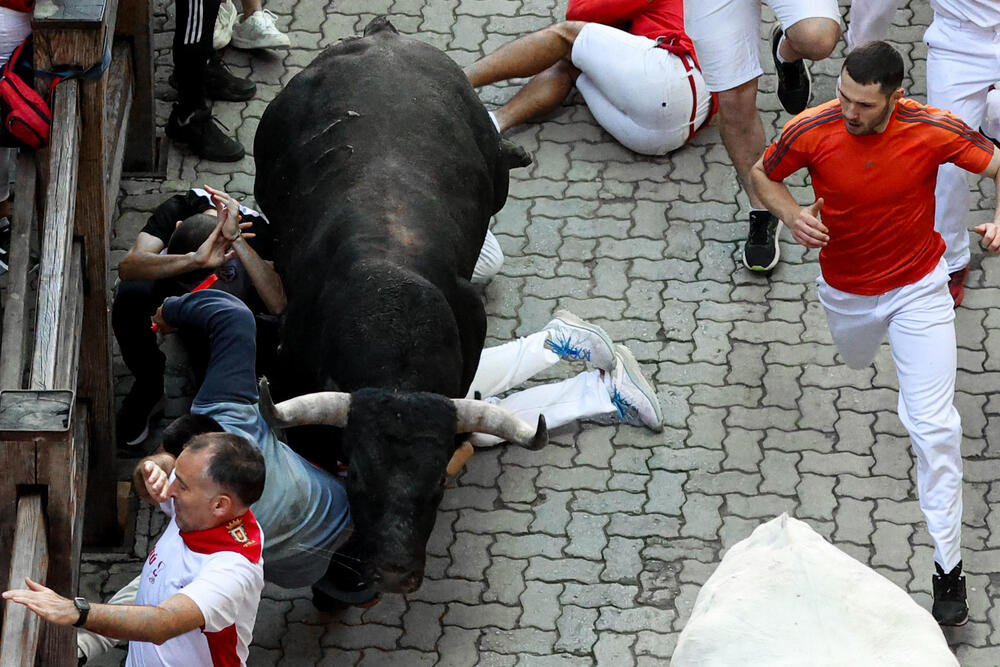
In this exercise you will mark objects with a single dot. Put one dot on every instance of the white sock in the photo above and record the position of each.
(777, 51)
(493, 117)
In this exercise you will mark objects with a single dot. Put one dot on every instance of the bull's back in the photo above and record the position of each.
(383, 141)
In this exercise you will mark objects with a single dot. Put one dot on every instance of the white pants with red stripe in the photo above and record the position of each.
(647, 98)
(504, 367)
(963, 61)
(920, 321)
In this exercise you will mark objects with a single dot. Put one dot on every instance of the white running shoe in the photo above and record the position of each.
(573, 339)
(632, 394)
(259, 32)
(224, 22)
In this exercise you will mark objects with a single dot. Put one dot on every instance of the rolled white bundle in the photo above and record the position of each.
(786, 596)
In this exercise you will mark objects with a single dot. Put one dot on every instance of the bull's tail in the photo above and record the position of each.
(378, 24)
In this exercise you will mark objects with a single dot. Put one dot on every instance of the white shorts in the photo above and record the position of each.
(647, 98)
(726, 34)
(14, 27)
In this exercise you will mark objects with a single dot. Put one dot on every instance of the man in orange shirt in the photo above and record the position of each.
(631, 61)
(873, 156)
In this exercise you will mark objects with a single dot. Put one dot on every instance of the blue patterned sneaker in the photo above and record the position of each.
(632, 394)
(573, 339)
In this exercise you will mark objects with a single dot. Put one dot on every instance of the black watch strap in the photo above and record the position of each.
(84, 608)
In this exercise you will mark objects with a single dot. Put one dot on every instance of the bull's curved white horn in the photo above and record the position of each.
(324, 407)
(483, 417)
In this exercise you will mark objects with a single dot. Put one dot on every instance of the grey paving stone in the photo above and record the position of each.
(586, 535)
(480, 615)
(518, 641)
(540, 602)
(614, 649)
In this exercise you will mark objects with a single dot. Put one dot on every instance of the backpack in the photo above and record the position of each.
(25, 115)
(19, 5)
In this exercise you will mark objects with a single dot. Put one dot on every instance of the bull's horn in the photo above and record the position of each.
(325, 407)
(483, 417)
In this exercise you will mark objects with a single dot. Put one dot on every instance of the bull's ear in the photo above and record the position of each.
(378, 24)
(460, 458)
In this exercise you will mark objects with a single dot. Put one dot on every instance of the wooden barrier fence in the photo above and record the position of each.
(56, 395)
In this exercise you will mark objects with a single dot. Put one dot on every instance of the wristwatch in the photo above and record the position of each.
(83, 607)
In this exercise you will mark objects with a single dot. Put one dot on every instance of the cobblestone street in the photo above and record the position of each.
(592, 550)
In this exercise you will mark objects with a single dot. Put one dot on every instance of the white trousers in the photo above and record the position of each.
(869, 20)
(644, 96)
(920, 321)
(489, 262)
(93, 645)
(726, 34)
(505, 366)
(963, 61)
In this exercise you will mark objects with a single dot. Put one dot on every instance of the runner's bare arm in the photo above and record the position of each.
(803, 221)
(990, 231)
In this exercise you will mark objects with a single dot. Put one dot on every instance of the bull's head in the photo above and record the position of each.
(400, 448)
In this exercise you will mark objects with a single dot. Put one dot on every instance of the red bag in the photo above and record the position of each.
(19, 5)
(26, 116)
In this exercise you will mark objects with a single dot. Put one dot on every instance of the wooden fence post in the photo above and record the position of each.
(82, 35)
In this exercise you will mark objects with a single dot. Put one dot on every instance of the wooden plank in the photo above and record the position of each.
(64, 13)
(17, 461)
(117, 108)
(60, 203)
(19, 637)
(15, 314)
(62, 467)
(135, 25)
(68, 362)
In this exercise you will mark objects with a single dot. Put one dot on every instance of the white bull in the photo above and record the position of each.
(786, 596)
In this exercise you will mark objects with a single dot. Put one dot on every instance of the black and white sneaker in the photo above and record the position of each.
(794, 83)
(761, 251)
(950, 606)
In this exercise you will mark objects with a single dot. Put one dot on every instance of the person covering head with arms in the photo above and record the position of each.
(201, 584)
(873, 156)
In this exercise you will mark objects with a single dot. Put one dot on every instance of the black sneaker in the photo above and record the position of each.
(761, 251)
(950, 607)
(143, 401)
(200, 131)
(793, 78)
(223, 85)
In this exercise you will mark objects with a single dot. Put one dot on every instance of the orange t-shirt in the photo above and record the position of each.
(878, 189)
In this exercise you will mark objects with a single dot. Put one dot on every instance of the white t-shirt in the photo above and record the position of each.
(984, 13)
(222, 572)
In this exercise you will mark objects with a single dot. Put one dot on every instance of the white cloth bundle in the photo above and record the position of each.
(786, 596)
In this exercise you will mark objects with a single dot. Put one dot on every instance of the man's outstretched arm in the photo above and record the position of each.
(172, 617)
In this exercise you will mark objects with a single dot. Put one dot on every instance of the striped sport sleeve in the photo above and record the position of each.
(788, 154)
(958, 142)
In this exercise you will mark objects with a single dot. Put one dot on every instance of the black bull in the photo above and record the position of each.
(380, 169)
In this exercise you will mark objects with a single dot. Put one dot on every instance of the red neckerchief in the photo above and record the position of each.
(241, 535)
